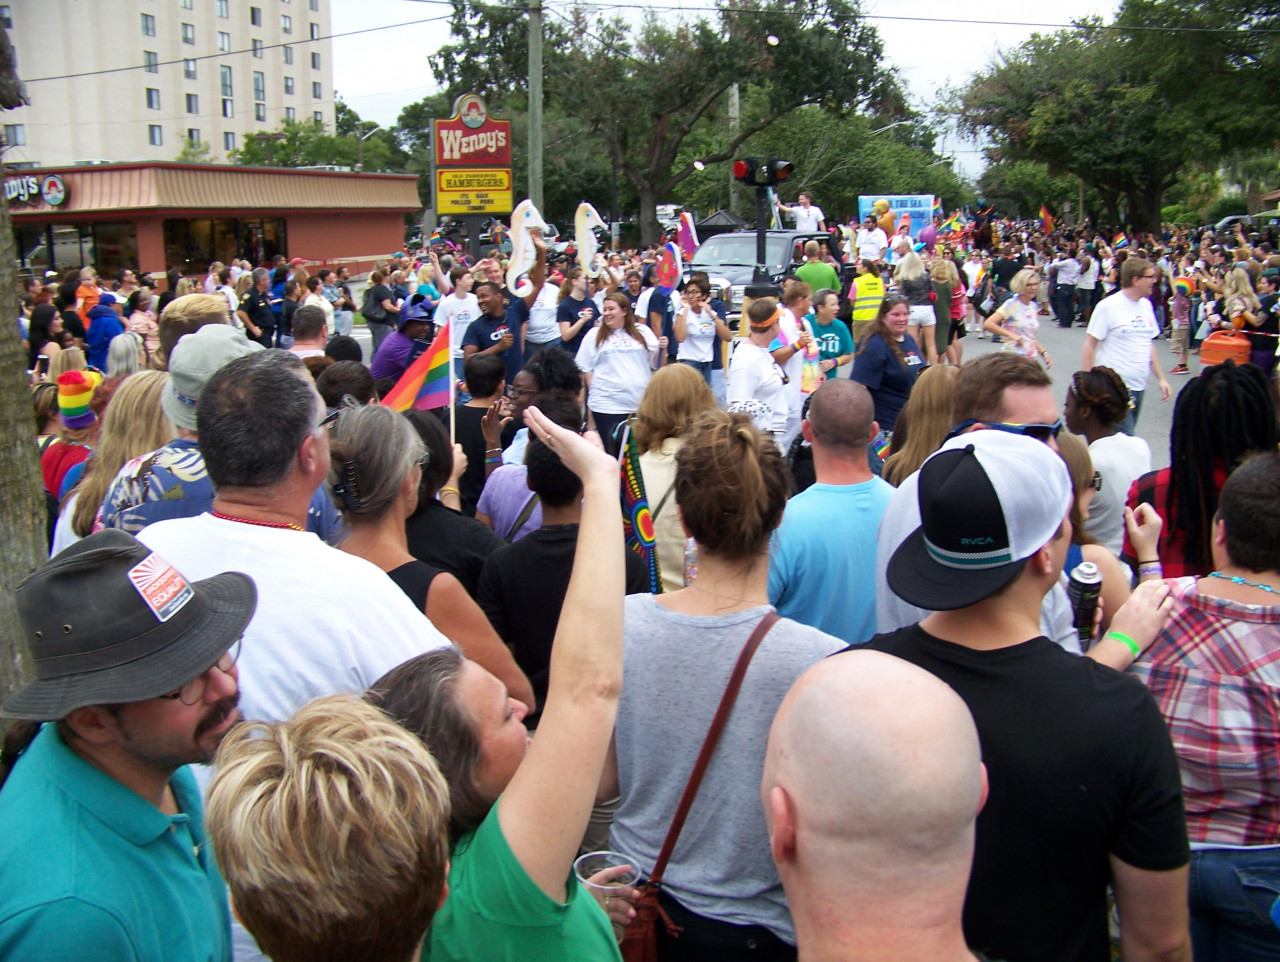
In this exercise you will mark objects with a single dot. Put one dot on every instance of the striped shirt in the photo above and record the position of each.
(1215, 673)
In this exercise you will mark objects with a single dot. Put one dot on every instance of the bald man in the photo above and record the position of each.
(822, 560)
(873, 779)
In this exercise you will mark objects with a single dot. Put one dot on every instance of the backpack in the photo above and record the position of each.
(372, 310)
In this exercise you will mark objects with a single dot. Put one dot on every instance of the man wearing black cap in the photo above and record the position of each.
(1084, 784)
(104, 853)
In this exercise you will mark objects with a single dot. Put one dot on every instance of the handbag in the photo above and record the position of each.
(640, 943)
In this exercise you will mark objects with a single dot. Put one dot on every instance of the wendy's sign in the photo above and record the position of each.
(471, 138)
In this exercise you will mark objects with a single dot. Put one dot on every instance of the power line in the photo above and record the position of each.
(236, 53)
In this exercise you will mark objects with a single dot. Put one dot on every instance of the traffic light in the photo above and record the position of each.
(761, 172)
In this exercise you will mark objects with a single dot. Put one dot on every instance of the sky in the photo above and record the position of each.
(380, 71)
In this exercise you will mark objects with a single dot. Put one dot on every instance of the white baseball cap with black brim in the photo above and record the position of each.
(989, 500)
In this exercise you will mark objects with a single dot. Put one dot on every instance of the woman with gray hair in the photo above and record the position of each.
(377, 460)
(124, 355)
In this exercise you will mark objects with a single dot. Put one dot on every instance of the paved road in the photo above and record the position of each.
(1066, 346)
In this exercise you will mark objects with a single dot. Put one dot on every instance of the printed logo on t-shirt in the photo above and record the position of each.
(912, 359)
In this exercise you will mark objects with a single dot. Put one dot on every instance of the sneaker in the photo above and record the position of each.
(1180, 369)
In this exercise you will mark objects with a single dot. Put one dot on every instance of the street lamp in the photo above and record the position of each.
(360, 145)
(896, 123)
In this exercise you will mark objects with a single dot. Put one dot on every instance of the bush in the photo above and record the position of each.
(1225, 206)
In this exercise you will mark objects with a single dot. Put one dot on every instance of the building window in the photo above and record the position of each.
(153, 98)
(260, 112)
(255, 16)
(224, 76)
(259, 85)
(150, 61)
(318, 116)
(227, 109)
(189, 33)
(187, 4)
(317, 91)
(315, 31)
(257, 49)
(6, 17)
(315, 4)
(148, 25)
(288, 86)
(193, 136)
(315, 61)
(286, 23)
(224, 8)
(288, 53)
(229, 141)
(189, 70)
(224, 42)
(193, 104)
(15, 135)
(155, 135)
(290, 114)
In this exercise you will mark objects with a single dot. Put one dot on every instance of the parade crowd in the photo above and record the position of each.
(682, 633)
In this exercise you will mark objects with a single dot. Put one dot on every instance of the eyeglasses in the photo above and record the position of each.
(192, 693)
(1040, 432)
(515, 392)
(330, 419)
(1096, 481)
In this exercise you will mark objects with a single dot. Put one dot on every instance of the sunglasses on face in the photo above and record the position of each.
(1040, 432)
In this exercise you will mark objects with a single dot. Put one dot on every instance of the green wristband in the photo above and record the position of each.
(1128, 642)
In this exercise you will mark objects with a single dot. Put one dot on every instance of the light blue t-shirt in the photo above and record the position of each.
(822, 560)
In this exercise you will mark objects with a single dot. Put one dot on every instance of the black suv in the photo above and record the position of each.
(729, 259)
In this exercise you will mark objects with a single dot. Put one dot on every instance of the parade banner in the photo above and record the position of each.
(919, 206)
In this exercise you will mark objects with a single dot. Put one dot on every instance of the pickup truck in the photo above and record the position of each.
(731, 258)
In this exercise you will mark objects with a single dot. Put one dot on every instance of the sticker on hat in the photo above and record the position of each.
(164, 590)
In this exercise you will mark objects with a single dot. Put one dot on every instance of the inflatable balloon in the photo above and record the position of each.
(583, 221)
(881, 206)
(523, 254)
(929, 236)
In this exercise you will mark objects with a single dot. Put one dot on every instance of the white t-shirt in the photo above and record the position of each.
(325, 305)
(871, 243)
(459, 312)
(699, 337)
(1120, 460)
(542, 326)
(1088, 279)
(753, 373)
(807, 218)
(1125, 329)
(620, 369)
(971, 271)
(326, 620)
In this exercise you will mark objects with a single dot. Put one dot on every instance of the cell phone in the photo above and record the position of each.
(42, 366)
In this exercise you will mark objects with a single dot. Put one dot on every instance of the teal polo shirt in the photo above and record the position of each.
(89, 869)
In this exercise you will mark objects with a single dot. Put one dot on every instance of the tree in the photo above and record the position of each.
(22, 509)
(198, 152)
(306, 144)
(1019, 187)
(642, 96)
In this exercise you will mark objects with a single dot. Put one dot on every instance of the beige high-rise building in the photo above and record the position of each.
(138, 80)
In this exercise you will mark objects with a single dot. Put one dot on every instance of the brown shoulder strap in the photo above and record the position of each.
(709, 744)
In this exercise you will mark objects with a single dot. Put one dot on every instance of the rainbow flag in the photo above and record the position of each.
(883, 448)
(426, 384)
(497, 233)
(954, 225)
(1046, 220)
(637, 522)
(1120, 240)
(937, 206)
(687, 235)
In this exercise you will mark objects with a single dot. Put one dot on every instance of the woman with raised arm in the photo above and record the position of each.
(520, 807)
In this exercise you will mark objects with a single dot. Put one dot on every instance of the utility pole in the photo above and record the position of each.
(735, 114)
(535, 103)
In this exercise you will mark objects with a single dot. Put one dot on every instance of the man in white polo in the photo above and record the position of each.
(807, 215)
(1121, 335)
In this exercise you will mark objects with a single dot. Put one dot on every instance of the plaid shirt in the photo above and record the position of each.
(1153, 489)
(1215, 673)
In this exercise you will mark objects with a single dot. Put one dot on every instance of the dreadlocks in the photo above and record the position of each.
(1221, 416)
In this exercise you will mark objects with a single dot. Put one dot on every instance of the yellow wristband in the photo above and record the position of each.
(454, 490)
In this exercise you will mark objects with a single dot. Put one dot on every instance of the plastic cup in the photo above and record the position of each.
(589, 865)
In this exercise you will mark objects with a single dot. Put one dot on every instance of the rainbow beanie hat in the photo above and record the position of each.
(75, 389)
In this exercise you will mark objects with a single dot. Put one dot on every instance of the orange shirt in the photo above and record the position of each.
(89, 296)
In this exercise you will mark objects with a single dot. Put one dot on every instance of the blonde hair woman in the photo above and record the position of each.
(927, 420)
(1017, 319)
(134, 424)
(69, 359)
(914, 285)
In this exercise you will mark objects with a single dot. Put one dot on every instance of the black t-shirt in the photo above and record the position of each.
(1270, 324)
(486, 331)
(467, 424)
(443, 538)
(287, 307)
(1004, 270)
(72, 324)
(257, 305)
(376, 295)
(522, 589)
(569, 311)
(1079, 764)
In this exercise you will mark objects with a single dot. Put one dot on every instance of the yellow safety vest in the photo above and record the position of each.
(868, 295)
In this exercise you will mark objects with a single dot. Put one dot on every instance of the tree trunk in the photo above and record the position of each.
(22, 509)
(1144, 208)
(650, 229)
(1253, 196)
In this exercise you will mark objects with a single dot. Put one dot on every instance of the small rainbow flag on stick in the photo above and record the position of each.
(426, 384)
(1120, 240)
(687, 236)
(637, 521)
(937, 206)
